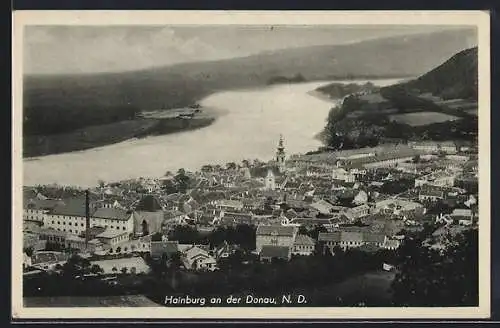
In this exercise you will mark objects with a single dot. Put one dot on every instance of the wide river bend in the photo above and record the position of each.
(249, 128)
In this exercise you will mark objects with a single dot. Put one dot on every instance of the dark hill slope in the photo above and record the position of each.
(455, 78)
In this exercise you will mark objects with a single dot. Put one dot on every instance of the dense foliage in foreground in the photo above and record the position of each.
(423, 277)
(429, 277)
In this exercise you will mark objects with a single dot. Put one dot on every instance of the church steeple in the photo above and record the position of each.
(270, 181)
(280, 155)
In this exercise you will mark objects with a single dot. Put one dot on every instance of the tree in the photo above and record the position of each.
(175, 260)
(184, 234)
(169, 186)
(207, 168)
(76, 266)
(244, 235)
(268, 202)
(156, 236)
(175, 263)
(29, 251)
(314, 233)
(234, 260)
(96, 269)
(437, 207)
(182, 181)
(441, 154)
(114, 269)
(133, 270)
(320, 249)
(118, 249)
(231, 166)
(124, 270)
(430, 278)
(303, 230)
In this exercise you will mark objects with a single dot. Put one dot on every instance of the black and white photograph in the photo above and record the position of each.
(251, 164)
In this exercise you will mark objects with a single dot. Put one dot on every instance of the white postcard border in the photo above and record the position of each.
(463, 18)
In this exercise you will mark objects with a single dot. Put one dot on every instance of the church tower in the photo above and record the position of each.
(280, 155)
(270, 181)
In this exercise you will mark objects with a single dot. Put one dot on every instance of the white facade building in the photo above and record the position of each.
(72, 219)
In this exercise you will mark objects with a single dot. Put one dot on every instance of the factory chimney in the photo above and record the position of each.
(87, 218)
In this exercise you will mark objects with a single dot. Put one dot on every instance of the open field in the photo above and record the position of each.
(422, 118)
(458, 103)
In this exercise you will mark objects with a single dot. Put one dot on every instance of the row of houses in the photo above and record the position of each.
(284, 241)
(449, 147)
(354, 239)
(276, 241)
(437, 178)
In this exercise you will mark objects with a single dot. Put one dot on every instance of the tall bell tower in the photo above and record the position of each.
(280, 155)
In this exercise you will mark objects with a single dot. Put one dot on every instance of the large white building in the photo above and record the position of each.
(439, 178)
(36, 209)
(112, 238)
(275, 235)
(70, 217)
(339, 173)
(448, 147)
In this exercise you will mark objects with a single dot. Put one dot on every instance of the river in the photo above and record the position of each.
(249, 128)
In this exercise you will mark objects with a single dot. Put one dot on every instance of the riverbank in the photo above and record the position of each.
(102, 135)
(153, 123)
(248, 125)
(322, 96)
(320, 136)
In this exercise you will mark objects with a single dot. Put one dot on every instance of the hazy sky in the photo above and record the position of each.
(88, 49)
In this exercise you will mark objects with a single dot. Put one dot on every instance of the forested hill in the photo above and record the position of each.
(439, 105)
(455, 78)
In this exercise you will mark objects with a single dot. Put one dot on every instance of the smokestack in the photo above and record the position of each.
(87, 218)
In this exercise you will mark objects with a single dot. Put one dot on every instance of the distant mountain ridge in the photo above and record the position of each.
(65, 103)
(177, 85)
